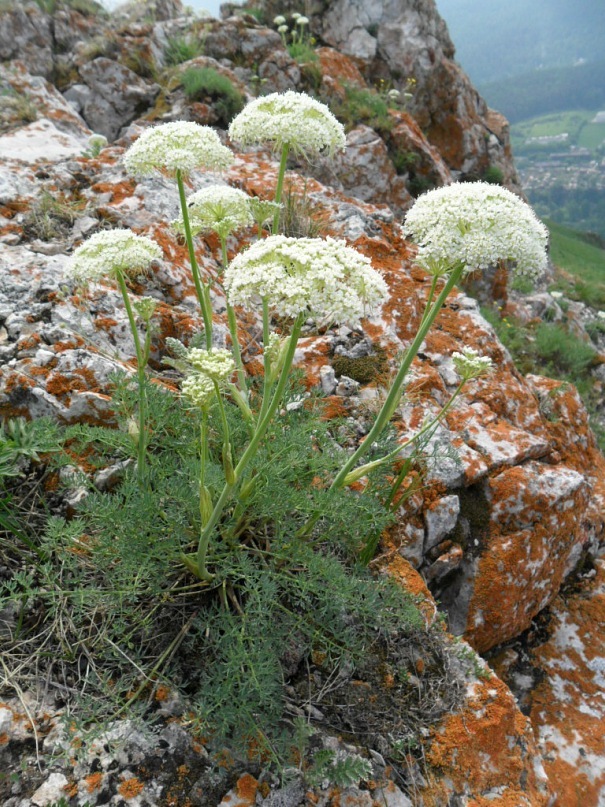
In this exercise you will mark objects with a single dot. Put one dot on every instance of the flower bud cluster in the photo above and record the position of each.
(294, 119)
(323, 278)
(110, 252)
(218, 365)
(477, 224)
(217, 208)
(469, 364)
(177, 146)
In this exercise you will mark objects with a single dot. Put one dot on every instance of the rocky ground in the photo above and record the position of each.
(505, 541)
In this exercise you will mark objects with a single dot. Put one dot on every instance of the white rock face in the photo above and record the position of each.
(41, 141)
(51, 791)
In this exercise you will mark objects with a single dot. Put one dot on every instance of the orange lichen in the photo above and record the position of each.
(130, 788)
(93, 781)
(487, 745)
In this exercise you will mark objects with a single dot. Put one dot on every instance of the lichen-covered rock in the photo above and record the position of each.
(115, 96)
(26, 34)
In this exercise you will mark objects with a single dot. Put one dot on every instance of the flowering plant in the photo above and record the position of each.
(289, 122)
(217, 208)
(477, 224)
(323, 278)
(177, 146)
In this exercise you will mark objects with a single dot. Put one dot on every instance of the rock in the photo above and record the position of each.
(117, 96)
(440, 519)
(243, 794)
(53, 790)
(26, 34)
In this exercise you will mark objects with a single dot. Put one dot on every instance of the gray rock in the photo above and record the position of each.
(26, 34)
(440, 520)
(118, 96)
(347, 386)
(327, 379)
(53, 790)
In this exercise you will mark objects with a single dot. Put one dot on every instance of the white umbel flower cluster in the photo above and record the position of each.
(217, 208)
(217, 365)
(323, 278)
(294, 119)
(469, 364)
(199, 388)
(178, 146)
(110, 252)
(478, 224)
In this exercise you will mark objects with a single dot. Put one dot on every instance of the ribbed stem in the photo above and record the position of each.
(280, 186)
(201, 288)
(140, 353)
(392, 398)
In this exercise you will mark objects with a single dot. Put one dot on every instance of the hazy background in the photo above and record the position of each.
(208, 5)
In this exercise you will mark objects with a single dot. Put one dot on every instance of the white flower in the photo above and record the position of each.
(177, 146)
(97, 142)
(283, 29)
(324, 278)
(279, 20)
(295, 15)
(469, 364)
(199, 388)
(556, 295)
(478, 224)
(218, 365)
(294, 119)
(393, 94)
(601, 314)
(111, 252)
(302, 20)
(218, 208)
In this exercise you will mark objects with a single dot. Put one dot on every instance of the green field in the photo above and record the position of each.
(576, 123)
(578, 255)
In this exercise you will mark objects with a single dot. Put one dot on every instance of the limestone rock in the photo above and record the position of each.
(25, 34)
(117, 96)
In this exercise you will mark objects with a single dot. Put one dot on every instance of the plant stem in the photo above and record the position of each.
(280, 185)
(249, 453)
(142, 442)
(201, 288)
(392, 398)
(232, 321)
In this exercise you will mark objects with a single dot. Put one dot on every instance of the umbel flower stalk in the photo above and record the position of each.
(289, 122)
(120, 254)
(296, 278)
(178, 148)
(460, 229)
(222, 210)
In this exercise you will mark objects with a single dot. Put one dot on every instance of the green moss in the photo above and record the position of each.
(207, 84)
(364, 370)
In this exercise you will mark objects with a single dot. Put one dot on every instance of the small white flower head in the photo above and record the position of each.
(295, 119)
(302, 20)
(177, 146)
(96, 142)
(283, 29)
(295, 15)
(145, 308)
(110, 252)
(393, 94)
(478, 224)
(601, 314)
(218, 365)
(262, 209)
(556, 295)
(199, 388)
(323, 278)
(279, 20)
(217, 208)
(469, 364)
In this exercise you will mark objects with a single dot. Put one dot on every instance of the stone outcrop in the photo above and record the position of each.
(511, 495)
(408, 40)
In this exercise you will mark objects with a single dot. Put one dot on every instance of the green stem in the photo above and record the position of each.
(252, 447)
(392, 398)
(232, 321)
(429, 301)
(200, 287)
(142, 443)
(280, 185)
(267, 360)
